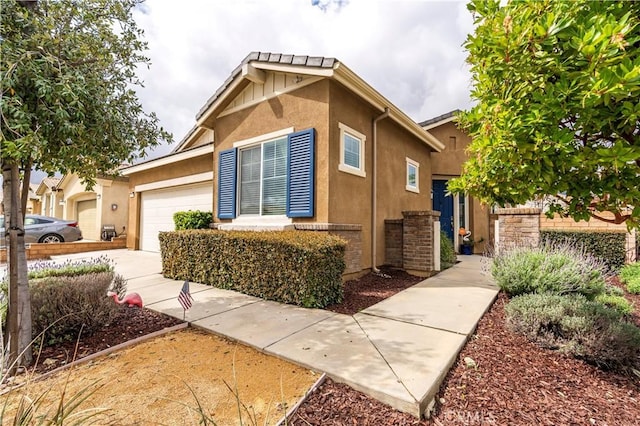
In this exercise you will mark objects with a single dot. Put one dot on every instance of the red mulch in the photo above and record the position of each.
(373, 288)
(515, 382)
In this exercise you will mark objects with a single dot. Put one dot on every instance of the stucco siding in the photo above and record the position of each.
(449, 161)
(351, 195)
(300, 109)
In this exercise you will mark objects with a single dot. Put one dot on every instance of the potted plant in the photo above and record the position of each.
(466, 241)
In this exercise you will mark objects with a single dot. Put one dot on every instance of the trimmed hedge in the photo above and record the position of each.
(192, 219)
(296, 267)
(610, 247)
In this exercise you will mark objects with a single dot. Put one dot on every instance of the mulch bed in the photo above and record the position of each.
(373, 288)
(515, 382)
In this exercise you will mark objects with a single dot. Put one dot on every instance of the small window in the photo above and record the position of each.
(351, 151)
(413, 176)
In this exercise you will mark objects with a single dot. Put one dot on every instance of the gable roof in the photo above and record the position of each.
(254, 65)
(47, 183)
(439, 120)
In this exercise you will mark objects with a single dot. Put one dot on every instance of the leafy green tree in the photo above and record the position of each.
(69, 105)
(557, 86)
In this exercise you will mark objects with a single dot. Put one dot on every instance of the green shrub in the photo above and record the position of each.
(577, 326)
(447, 252)
(609, 247)
(630, 275)
(619, 303)
(548, 268)
(61, 307)
(192, 219)
(298, 267)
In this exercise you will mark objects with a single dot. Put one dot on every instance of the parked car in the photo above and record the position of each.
(44, 229)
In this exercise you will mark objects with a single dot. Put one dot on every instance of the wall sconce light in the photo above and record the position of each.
(61, 202)
(114, 207)
(132, 194)
(99, 196)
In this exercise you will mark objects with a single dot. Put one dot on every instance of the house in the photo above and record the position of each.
(456, 211)
(49, 198)
(33, 200)
(291, 142)
(107, 203)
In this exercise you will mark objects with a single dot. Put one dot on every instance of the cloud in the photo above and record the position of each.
(409, 51)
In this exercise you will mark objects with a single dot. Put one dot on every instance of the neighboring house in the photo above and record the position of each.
(300, 143)
(107, 203)
(456, 211)
(33, 202)
(50, 197)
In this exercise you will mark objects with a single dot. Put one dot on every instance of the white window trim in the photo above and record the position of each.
(250, 221)
(408, 187)
(263, 138)
(362, 138)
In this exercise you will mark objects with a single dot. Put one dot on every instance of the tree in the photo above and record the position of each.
(557, 86)
(68, 72)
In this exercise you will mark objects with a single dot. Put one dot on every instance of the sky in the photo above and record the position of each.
(410, 51)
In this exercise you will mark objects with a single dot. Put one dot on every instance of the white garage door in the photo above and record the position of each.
(87, 220)
(158, 206)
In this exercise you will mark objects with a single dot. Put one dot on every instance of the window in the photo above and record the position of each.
(413, 176)
(263, 179)
(351, 151)
(270, 178)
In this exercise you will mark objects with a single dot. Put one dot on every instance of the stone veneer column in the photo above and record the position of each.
(352, 233)
(417, 241)
(393, 242)
(519, 226)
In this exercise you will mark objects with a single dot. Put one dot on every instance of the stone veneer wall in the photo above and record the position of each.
(393, 242)
(519, 226)
(352, 233)
(417, 241)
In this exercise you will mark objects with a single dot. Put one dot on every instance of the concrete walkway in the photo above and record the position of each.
(397, 351)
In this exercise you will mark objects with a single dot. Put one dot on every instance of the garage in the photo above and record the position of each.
(158, 206)
(87, 216)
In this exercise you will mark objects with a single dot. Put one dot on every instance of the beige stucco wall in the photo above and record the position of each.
(106, 192)
(351, 195)
(449, 161)
(180, 169)
(301, 109)
(114, 194)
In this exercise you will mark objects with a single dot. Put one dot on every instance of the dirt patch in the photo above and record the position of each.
(162, 381)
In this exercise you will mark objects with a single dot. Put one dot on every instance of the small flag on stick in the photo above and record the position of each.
(184, 297)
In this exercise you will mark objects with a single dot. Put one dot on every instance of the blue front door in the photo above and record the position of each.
(444, 204)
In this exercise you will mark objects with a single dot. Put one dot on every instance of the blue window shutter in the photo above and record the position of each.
(300, 173)
(227, 178)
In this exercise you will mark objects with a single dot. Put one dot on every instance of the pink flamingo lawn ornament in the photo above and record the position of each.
(131, 299)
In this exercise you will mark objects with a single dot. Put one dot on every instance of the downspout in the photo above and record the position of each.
(374, 191)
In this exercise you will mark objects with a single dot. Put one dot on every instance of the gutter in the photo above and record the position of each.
(374, 191)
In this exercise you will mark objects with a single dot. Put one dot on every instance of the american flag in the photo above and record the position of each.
(184, 297)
